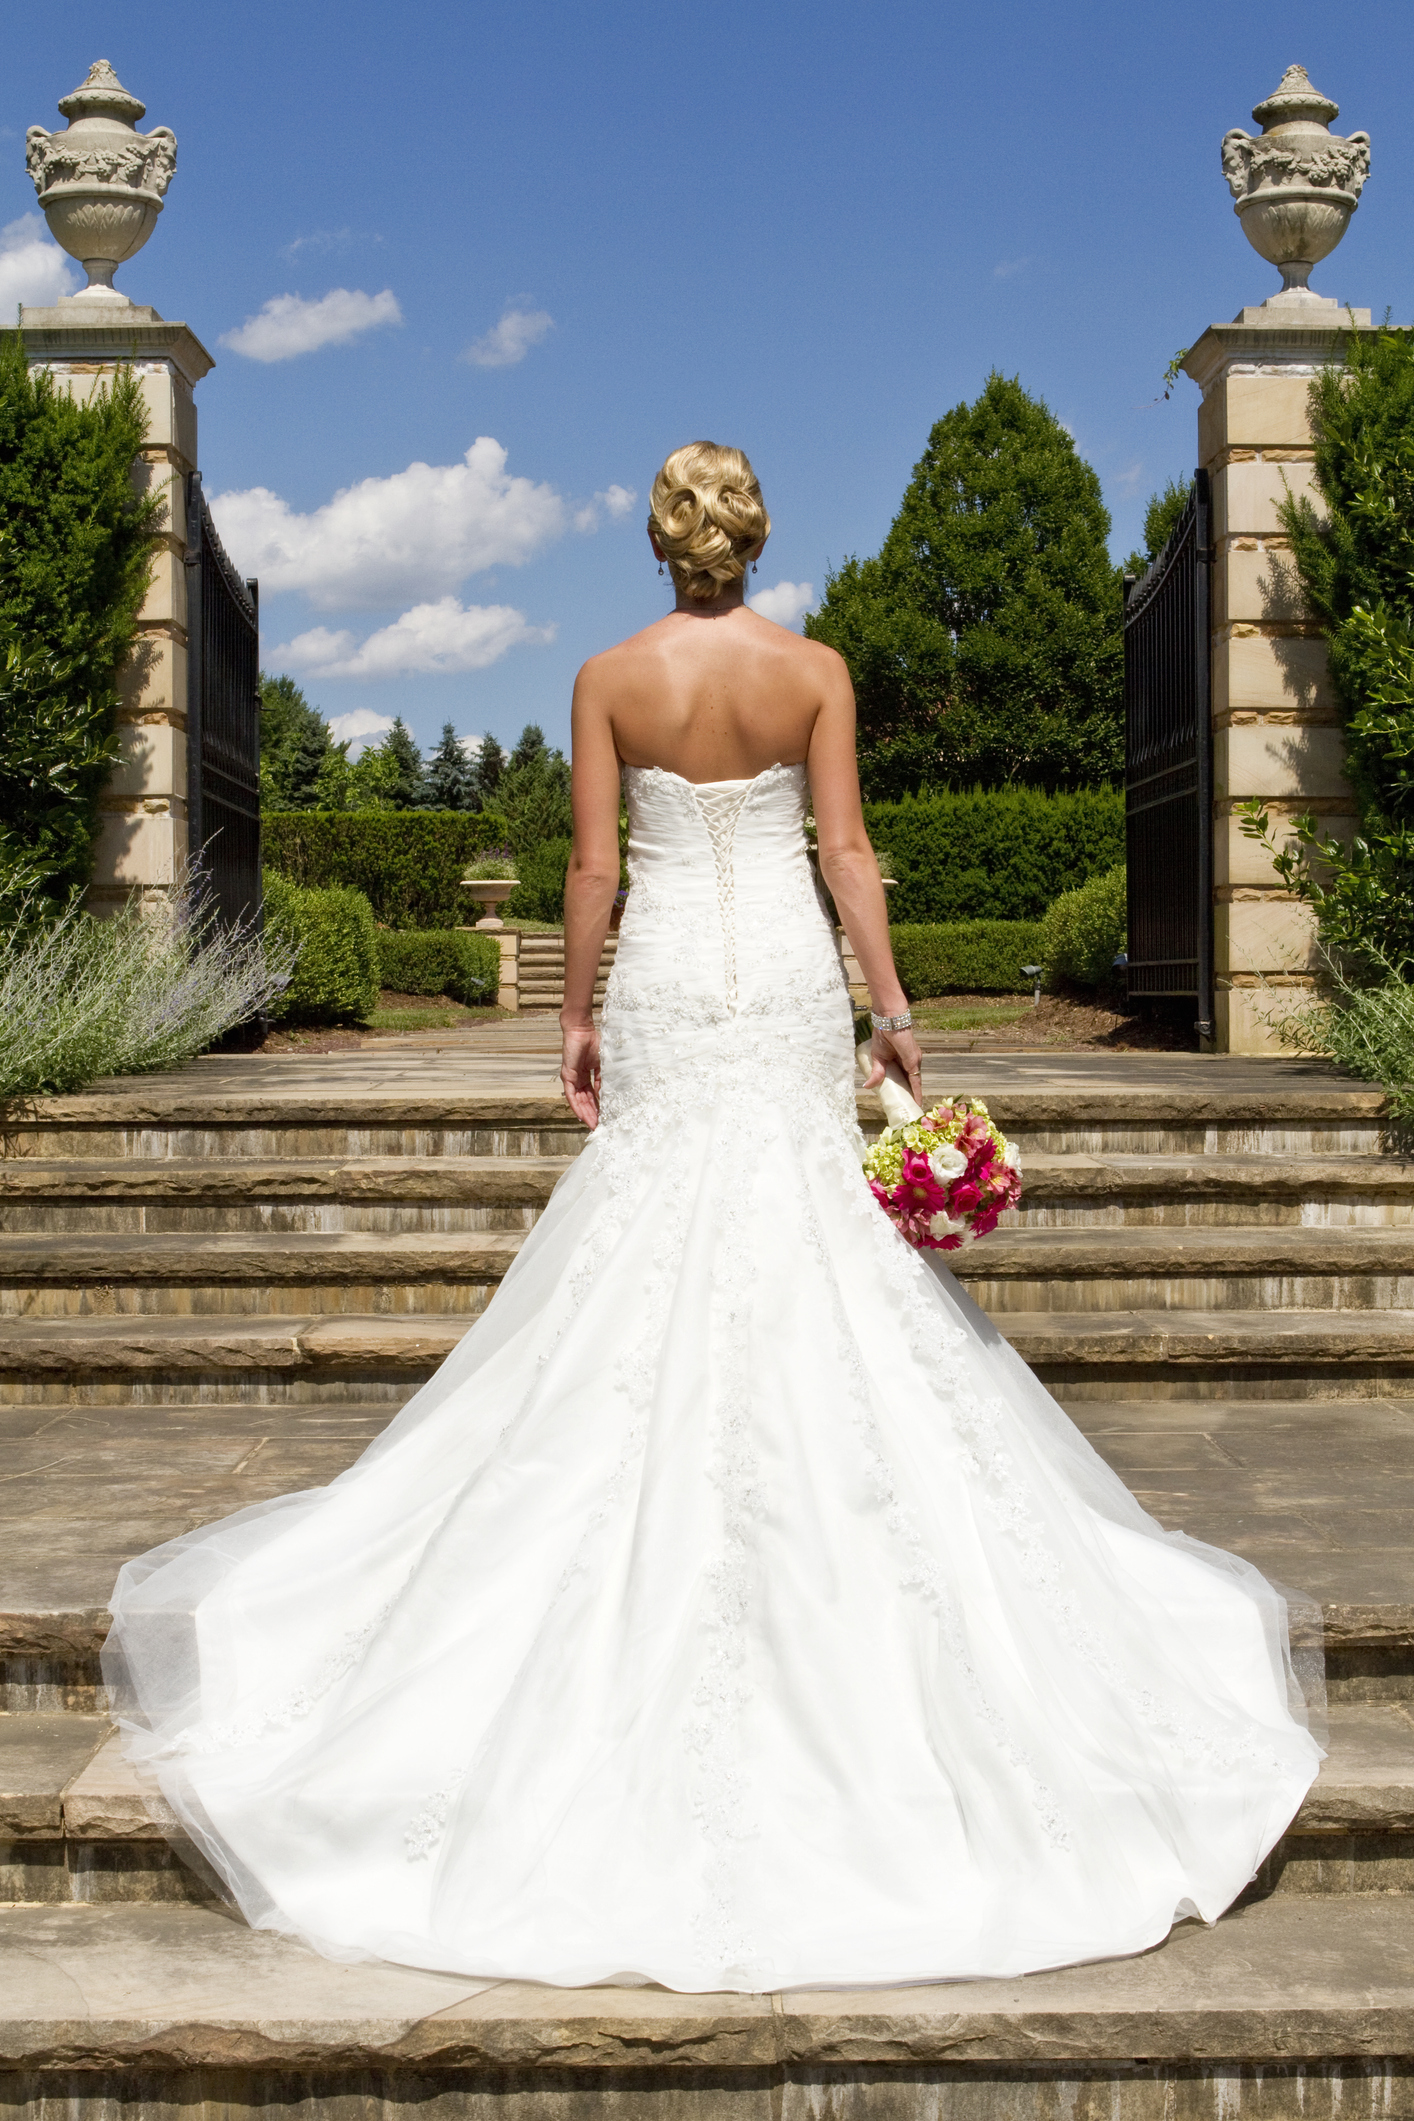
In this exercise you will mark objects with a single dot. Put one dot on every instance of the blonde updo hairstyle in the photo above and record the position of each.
(708, 516)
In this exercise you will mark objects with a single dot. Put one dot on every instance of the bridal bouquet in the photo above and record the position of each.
(943, 1176)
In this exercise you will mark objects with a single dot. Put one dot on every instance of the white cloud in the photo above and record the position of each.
(421, 530)
(434, 640)
(32, 267)
(615, 502)
(327, 239)
(358, 727)
(290, 325)
(1129, 478)
(510, 340)
(1008, 266)
(787, 603)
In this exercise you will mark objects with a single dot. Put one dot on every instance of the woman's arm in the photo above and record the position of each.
(590, 885)
(848, 866)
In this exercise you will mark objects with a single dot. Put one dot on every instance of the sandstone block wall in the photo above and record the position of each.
(1276, 731)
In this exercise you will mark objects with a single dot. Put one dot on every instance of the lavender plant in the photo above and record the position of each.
(82, 998)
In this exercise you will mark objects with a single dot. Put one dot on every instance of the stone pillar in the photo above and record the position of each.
(101, 184)
(1276, 732)
(142, 838)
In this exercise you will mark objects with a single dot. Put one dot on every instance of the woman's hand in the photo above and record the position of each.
(902, 1047)
(579, 1071)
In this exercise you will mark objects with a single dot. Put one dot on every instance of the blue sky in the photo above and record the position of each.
(587, 234)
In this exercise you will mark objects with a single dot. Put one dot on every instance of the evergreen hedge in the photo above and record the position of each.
(335, 978)
(407, 863)
(965, 957)
(467, 968)
(995, 855)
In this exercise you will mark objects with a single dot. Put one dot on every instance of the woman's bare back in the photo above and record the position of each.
(715, 697)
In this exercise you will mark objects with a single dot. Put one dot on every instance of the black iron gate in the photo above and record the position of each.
(223, 718)
(1168, 768)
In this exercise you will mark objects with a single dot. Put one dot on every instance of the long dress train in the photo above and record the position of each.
(733, 1609)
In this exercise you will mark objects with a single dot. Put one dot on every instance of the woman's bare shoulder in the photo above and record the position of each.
(611, 665)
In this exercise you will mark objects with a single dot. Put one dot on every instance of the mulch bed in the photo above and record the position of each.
(1073, 1020)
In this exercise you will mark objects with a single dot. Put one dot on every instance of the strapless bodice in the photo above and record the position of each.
(726, 955)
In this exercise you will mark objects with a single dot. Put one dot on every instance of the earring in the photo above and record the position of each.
(753, 567)
(660, 567)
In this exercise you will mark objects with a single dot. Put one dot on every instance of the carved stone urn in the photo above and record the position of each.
(100, 182)
(1297, 186)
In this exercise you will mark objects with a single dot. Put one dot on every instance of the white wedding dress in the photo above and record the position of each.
(733, 1609)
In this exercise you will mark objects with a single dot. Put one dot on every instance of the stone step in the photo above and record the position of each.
(130, 1120)
(1228, 1191)
(266, 1274)
(1287, 1268)
(58, 1197)
(1319, 1494)
(191, 1124)
(250, 1354)
(77, 1825)
(1183, 1353)
(1286, 1271)
(1293, 2006)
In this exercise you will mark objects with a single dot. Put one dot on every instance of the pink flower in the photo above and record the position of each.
(963, 1198)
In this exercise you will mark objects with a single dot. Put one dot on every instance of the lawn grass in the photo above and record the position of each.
(433, 1012)
(968, 1013)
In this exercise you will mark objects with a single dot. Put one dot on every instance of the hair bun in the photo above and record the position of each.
(707, 514)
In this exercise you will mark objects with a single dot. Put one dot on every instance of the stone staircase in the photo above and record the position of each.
(209, 1297)
(249, 1246)
(540, 969)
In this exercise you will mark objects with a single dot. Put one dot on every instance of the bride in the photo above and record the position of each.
(733, 1609)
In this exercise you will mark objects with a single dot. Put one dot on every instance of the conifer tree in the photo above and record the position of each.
(534, 791)
(406, 778)
(294, 744)
(489, 766)
(984, 638)
(450, 782)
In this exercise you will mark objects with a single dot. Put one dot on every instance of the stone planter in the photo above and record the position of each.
(491, 892)
(1296, 187)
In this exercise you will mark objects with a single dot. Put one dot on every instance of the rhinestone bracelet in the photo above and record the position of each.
(892, 1023)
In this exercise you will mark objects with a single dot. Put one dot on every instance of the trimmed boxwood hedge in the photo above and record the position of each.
(965, 957)
(998, 855)
(408, 863)
(335, 979)
(466, 968)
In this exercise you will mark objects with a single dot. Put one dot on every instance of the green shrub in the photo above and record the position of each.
(1000, 855)
(466, 968)
(965, 957)
(75, 559)
(407, 863)
(82, 998)
(540, 894)
(1354, 561)
(1084, 931)
(335, 979)
(1367, 1030)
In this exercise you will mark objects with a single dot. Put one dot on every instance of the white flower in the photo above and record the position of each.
(1013, 1156)
(946, 1163)
(946, 1226)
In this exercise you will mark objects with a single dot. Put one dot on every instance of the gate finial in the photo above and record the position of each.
(101, 183)
(1297, 186)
